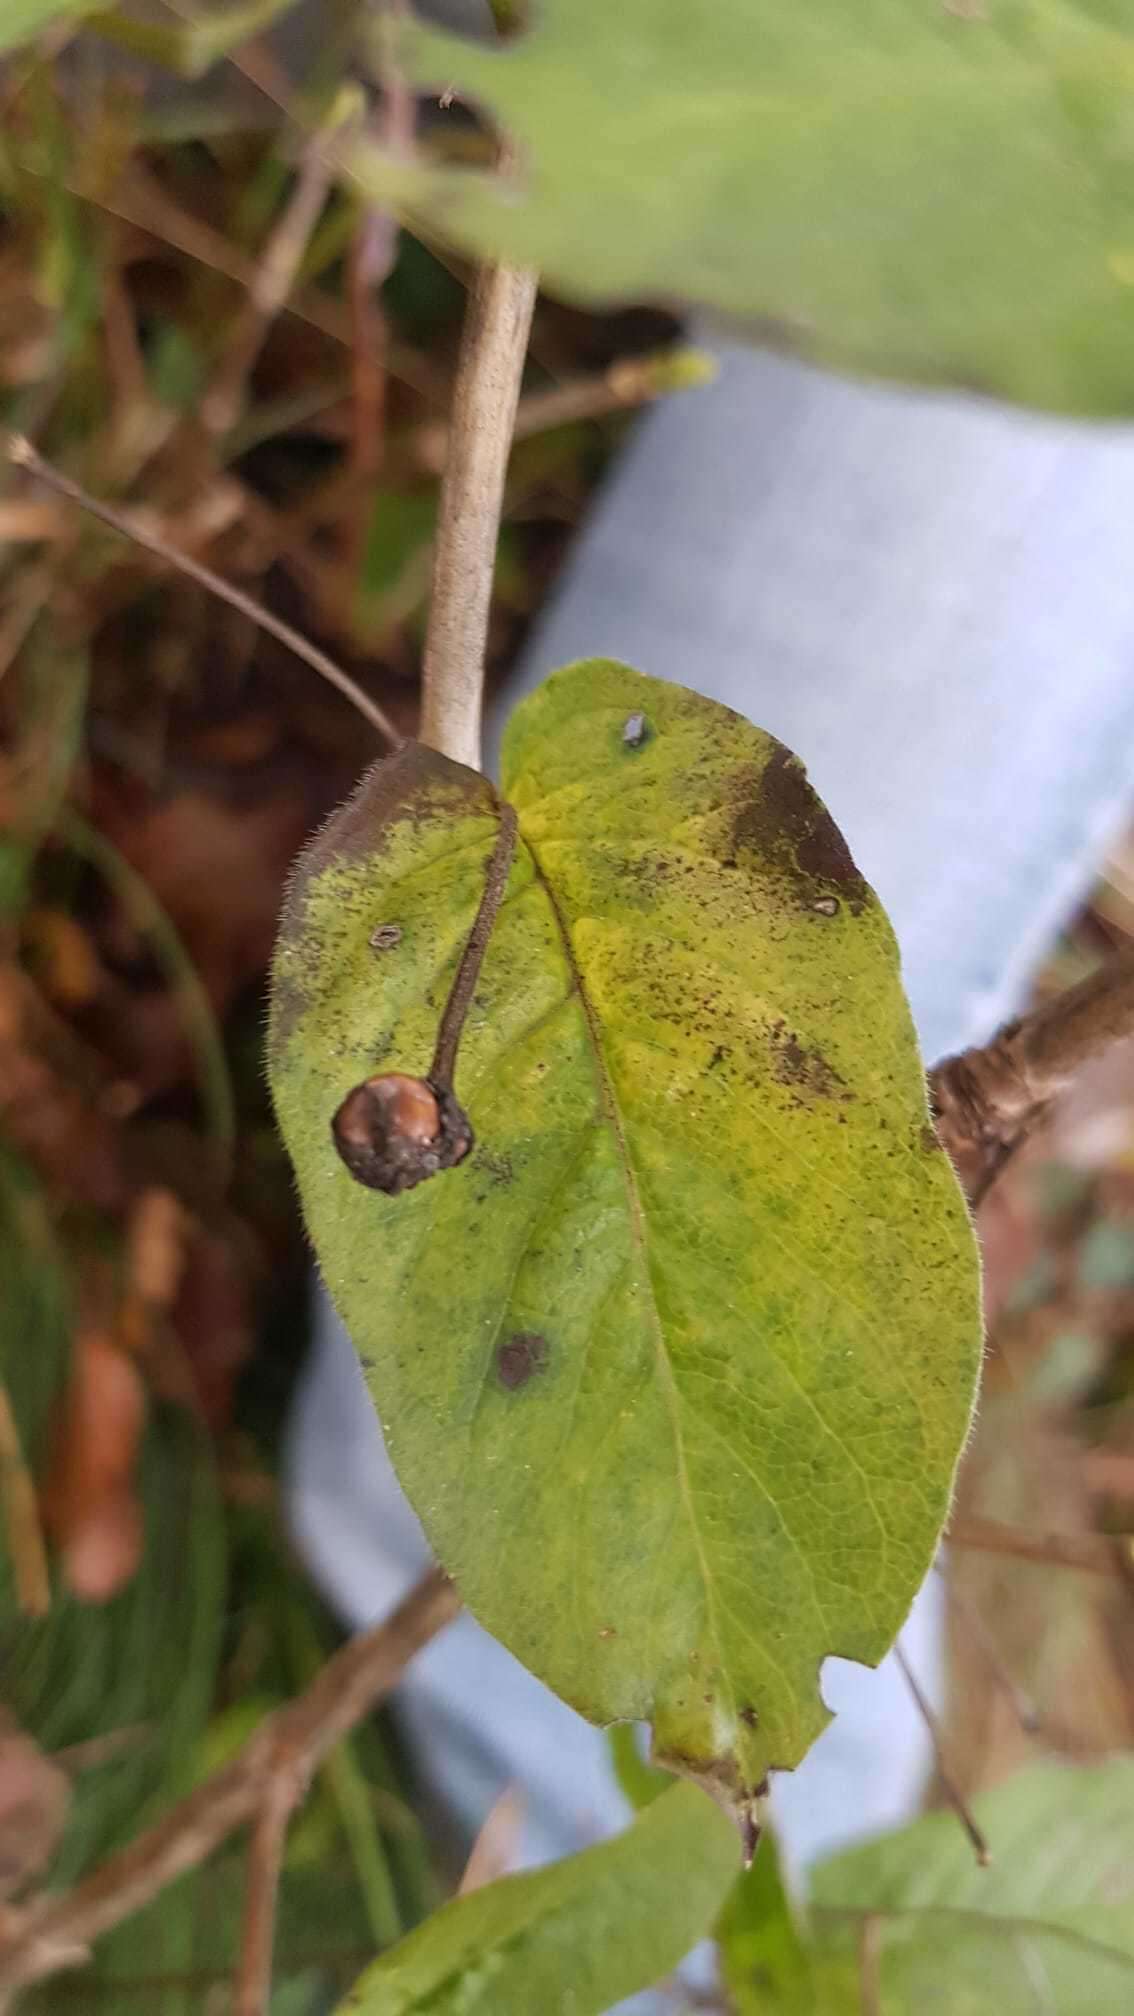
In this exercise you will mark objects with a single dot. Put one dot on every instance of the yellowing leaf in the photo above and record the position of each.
(926, 189)
(573, 1937)
(676, 1366)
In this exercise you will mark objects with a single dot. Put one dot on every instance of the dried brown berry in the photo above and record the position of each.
(394, 1131)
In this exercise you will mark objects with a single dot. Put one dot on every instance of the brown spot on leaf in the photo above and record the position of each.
(519, 1358)
(749, 1717)
(781, 818)
(417, 786)
(385, 937)
(805, 1070)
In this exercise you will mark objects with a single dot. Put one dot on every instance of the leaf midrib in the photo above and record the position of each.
(638, 1230)
(1000, 1921)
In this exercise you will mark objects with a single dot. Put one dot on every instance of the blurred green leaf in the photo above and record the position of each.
(194, 42)
(1106, 1256)
(21, 20)
(768, 1965)
(1049, 1926)
(175, 366)
(927, 191)
(578, 1935)
(51, 680)
(393, 579)
(639, 1781)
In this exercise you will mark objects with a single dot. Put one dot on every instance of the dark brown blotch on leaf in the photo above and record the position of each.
(779, 816)
(394, 1131)
(805, 1070)
(520, 1357)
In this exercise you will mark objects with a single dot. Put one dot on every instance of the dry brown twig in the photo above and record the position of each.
(987, 1100)
(1092, 1553)
(21, 452)
(252, 1991)
(55, 1932)
(270, 286)
(948, 1782)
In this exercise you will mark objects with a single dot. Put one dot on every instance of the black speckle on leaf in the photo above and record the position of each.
(519, 1358)
(749, 1717)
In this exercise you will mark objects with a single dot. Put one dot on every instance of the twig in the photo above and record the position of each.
(21, 1518)
(1093, 1553)
(373, 255)
(21, 452)
(631, 382)
(252, 1989)
(949, 1785)
(272, 282)
(443, 1068)
(55, 1932)
(987, 1099)
(75, 1758)
(493, 346)
(869, 1956)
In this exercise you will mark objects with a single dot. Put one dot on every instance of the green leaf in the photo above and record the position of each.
(1049, 1926)
(676, 1366)
(53, 675)
(192, 44)
(575, 1936)
(768, 1966)
(22, 20)
(905, 187)
(639, 1782)
(393, 579)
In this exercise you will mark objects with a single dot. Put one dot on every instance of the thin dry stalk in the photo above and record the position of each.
(493, 347)
(21, 452)
(252, 1989)
(1091, 1553)
(270, 287)
(949, 1785)
(56, 1931)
